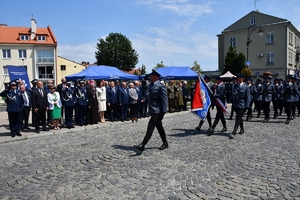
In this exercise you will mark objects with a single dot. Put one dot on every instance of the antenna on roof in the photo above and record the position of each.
(255, 1)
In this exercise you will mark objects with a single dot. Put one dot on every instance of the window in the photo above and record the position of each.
(24, 37)
(41, 38)
(291, 38)
(5, 70)
(46, 72)
(45, 56)
(270, 57)
(22, 53)
(290, 58)
(63, 67)
(270, 37)
(252, 20)
(6, 53)
(232, 42)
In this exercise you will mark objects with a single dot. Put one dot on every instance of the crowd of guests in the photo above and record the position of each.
(247, 97)
(81, 103)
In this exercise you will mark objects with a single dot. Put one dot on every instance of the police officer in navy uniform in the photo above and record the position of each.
(253, 93)
(240, 101)
(34, 87)
(68, 98)
(288, 97)
(219, 94)
(158, 106)
(82, 101)
(268, 90)
(258, 97)
(276, 97)
(14, 102)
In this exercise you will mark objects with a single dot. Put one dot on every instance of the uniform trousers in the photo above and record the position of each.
(112, 110)
(288, 109)
(219, 116)
(69, 115)
(276, 107)
(81, 114)
(239, 118)
(294, 107)
(14, 122)
(266, 108)
(124, 111)
(155, 121)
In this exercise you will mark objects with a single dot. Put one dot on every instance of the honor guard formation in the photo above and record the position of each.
(89, 102)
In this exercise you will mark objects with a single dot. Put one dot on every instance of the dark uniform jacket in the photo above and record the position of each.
(241, 96)
(158, 98)
(268, 90)
(14, 100)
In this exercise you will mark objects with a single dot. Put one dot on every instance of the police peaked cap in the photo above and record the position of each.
(206, 77)
(239, 75)
(34, 81)
(12, 83)
(268, 77)
(155, 73)
(219, 78)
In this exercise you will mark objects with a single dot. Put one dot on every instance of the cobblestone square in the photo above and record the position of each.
(99, 162)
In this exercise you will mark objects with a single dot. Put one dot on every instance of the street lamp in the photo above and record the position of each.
(260, 33)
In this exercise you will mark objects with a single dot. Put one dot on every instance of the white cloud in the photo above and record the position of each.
(179, 7)
(78, 53)
(158, 31)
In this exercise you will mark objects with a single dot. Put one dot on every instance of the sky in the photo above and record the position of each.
(175, 32)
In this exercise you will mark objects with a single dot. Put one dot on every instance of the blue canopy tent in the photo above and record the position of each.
(177, 73)
(101, 72)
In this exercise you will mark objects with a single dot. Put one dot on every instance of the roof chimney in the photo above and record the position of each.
(33, 29)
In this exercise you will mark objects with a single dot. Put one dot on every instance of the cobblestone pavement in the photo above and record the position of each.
(100, 163)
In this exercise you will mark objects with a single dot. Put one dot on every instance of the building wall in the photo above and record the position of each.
(284, 50)
(71, 67)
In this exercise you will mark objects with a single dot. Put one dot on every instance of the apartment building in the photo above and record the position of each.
(270, 43)
(30, 47)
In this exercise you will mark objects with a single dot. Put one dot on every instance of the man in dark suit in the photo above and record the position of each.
(240, 101)
(158, 106)
(34, 87)
(14, 102)
(26, 107)
(112, 93)
(123, 99)
(40, 106)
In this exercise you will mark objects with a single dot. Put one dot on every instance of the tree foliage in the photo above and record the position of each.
(116, 50)
(234, 62)
(196, 67)
(159, 65)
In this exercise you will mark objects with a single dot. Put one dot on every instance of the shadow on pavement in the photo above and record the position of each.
(191, 132)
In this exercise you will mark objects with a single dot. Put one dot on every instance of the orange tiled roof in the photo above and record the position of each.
(11, 35)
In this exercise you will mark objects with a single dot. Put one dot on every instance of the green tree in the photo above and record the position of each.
(234, 62)
(143, 70)
(116, 50)
(196, 67)
(159, 65)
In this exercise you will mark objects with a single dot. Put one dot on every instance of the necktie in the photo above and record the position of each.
(41, 92)
(25, 99)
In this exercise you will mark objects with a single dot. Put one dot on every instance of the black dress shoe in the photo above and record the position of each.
(37, 130)
(13, 135)
(164, 146)
(72, 126)
(210, 130)
(230, 118)
(224, 130)
(241, 131)
(69, 127)
(268, 119)
(45, 129)
(19, 134)
(27, 127)
(198, 128)
(234, 131)
(140, 147)
(264, 121)
(287, 121)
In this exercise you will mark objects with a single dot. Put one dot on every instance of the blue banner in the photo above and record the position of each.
(17, 72)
